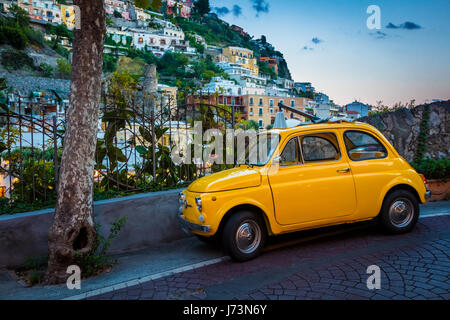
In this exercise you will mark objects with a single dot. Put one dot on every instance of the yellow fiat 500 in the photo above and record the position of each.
(316, 175)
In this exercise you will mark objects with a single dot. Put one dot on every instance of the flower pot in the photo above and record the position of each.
(440, 189)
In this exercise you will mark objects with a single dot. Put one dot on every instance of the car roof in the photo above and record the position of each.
(323, 126)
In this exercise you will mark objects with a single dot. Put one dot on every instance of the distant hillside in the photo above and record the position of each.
(219, 33)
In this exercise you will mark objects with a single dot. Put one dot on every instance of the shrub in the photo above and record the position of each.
(46, 69)
(16, 60)
(64, 68)
(35, 37)
(14, 36)
(432, 168)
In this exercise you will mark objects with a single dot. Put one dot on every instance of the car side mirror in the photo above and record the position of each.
(276, 160)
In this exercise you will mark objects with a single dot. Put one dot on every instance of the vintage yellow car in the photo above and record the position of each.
(316, 175)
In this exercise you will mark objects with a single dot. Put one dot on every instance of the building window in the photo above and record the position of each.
(261, 111)
(251, 101)
(260, 101)
(261, 124)
(271, 102)
(281, 101)
(292, 103)
(271, 110)
(141, 40)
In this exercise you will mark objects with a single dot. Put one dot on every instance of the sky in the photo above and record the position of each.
(328, 43)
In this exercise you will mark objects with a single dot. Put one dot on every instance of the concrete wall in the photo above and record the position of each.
(151, 220)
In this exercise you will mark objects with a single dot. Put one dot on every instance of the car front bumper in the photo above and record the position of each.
(192, 226)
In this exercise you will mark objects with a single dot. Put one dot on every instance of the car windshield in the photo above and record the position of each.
(258, 149)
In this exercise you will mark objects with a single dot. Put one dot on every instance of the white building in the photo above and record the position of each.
(222, 86)
(159, 43)
(276, 91)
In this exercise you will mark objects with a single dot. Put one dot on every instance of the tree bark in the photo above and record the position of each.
(73, 228)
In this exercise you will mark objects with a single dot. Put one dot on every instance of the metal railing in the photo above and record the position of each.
(135, 139)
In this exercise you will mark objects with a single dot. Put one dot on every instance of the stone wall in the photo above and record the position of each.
(27, 84)
(402, 128)
(151, 220)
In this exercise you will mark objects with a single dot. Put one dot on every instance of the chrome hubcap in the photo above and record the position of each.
(401, 212)
(248, 237)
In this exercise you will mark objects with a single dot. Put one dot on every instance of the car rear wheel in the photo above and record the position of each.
(244, 236)
(400, 212)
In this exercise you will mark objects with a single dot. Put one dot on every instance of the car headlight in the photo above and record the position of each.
(198, 202)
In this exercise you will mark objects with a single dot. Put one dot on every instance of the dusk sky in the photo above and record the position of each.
(327, 42)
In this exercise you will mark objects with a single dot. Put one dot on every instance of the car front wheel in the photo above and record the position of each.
(244, 236)
(400, 212)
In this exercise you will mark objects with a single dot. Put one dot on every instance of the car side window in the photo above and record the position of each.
(320, 147)
(363, 146)
(291, 153)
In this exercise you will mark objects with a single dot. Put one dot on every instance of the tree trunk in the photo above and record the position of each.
(73, 228)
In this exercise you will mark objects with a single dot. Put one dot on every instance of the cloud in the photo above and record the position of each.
(307, 48)
(237, 10)
(316, 40)
(408, 25)
(260, 6)
(379, 35)
(221, 11)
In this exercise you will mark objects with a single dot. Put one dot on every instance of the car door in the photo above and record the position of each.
(313, 181)
(372, 166)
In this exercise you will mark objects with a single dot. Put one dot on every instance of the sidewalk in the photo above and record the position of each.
(143, 266)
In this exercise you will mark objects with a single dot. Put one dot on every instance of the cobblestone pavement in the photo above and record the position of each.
(413, 266)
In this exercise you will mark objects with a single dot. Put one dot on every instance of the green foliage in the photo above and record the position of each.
(15, 60)
(195, 44)
(432, 168)
(20, 16)
(13, 36)
(117, 14)
(156, 5)
(46, 69)
(109, 63)
(62, 51)
(202, 7)
(142, 3)
(264, 69)
(64, 68)
(148, 57)
(134, 67)
(60, 30)
(97, 260)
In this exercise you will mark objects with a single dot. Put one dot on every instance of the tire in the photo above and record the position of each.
(400, 212)
(244, 236)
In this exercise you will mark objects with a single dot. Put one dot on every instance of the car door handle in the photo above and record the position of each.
(346, 170)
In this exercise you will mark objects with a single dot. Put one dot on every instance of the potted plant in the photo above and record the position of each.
(437, 172)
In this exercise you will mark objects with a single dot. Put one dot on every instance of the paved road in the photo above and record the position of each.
(327, 265)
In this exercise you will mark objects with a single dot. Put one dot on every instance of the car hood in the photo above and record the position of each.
(237, 178)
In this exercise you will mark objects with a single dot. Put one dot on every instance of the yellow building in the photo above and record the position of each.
(68, 16)
(243, 57)
(263, 109)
